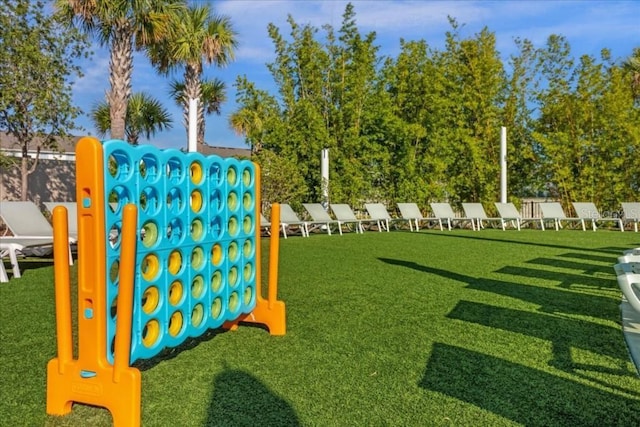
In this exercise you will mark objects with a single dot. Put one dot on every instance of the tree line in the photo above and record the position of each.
(424, 125)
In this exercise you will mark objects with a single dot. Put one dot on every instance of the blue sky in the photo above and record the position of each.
(589, 26)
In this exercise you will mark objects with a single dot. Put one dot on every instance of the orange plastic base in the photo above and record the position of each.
(66, 385)
(273, 317)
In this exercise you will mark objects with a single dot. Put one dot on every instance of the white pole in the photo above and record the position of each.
(193, 125)
(324, 170)
(503, 164)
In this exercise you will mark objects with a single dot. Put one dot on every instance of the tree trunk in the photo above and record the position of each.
(192, 90)
(121, 66)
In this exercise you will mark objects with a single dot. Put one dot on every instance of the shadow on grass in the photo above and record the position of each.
(564, 280)
(240, 399)
(28, 264)
(562, 332)
(585, 268)
(478, 236)
(524, 395)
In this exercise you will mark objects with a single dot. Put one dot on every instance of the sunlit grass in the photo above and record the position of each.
(416, 329)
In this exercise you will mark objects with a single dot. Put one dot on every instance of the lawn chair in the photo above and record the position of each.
(379, 213)
(411, 213)
(289, 221)
(587, 211)
(320, 218)
(265, 225)
(444, 212)
(509, 213)
(346, 216)
(30, 232)
(12, 246)
(476, 212)
(552, 211)
(631, 215)
(72, 213)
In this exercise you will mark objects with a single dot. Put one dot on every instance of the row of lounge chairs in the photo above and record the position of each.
(474, 216)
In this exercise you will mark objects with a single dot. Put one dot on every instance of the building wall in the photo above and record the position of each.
(53, 180)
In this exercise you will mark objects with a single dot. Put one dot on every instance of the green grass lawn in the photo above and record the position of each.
(434, 328)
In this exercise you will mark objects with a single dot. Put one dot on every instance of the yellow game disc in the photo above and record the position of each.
(247, 248)
(247, 200)
(175, 262)
(150, 234)
(233, 276)
(246, 177)
(216, 254)
(196, 201)
(216, 308)
(246, 224)
(175, 293)
(248, 294)
(197, 229)
(197, 315)
(197, 286)
(232, 175)
(197, 258)
(195, 170)
(150, 333)
(233, 226)
(216, 281)
(233, 251)
(175, 323)
(232, 201)
(150, 299)
(150, 267)
(234, 301)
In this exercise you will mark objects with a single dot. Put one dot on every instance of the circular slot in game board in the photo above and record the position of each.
(197, 229)
(248, 271)
(247, 177)
(196, 201)
(215, 201)
(234, 302)
(197, 314)
(215, 173)
(216, 227)
(149, 234)
(175, 231)
(247, 200)
(216, 281)
(149, 200)
(113, 308)
(196, 173)
(175, 201)
(175, 170)
(197, 258)
(150, 333)
(233, 251)
(248, 295)
(233, 276)
(118, 197)
(115, 233)
(247, 224)
(233, 226)
(216, 308)
(120, 165)
(149, 168)
(232, 201)
(197, 286)
(150, 267)
(175, 262)
(114, 272)
(216, 254)
(247, 248)
(232, 175)
(150, 299)
(175, 292)
(175, 323)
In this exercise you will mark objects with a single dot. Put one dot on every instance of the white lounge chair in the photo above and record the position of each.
(509, 213)
(289, 221)
(411, 213)
(552, 211)
(265, 224)
(379, 213)
(72, 215)
(628, 275)
(444, 213)
(346, 216)
(587, 211)
(476, 212)
(29, 229)
(631, 215)
(320, 218)
(12, 246)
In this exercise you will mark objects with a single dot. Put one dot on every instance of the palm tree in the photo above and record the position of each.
(121, 25)
(197, 37)
(145, 115)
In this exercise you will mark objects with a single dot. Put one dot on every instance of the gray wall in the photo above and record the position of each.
(53, 180)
